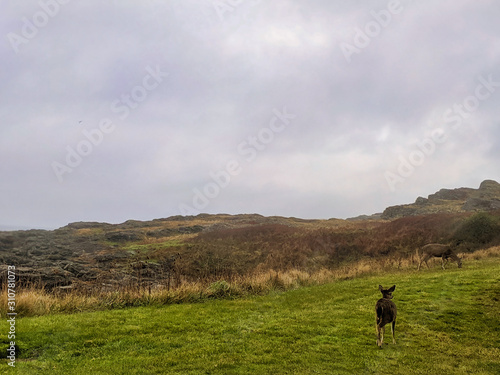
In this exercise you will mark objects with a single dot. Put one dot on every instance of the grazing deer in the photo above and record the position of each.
(386, 313)
(444, 252)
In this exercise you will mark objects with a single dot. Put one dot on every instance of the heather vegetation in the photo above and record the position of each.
(232, 252)
(251, 257)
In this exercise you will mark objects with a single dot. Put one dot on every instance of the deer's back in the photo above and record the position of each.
(436, 249)
(386, 311)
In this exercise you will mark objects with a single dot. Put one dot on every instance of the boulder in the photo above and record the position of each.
(480, 204)
(421, 201)
(452, 194)
(395, 212)
(87, 225)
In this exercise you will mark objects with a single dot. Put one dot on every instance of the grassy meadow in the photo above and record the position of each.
(448, 323)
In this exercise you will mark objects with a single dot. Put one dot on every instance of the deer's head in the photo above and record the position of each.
(387, 293)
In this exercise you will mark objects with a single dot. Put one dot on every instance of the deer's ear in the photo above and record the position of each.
(380, 287)
(391, 289)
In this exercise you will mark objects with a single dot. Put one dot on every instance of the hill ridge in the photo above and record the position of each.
(212, 246)
(485, 198)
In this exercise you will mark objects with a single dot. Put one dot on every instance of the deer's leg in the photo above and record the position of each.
(445, 261)
(393, 330)
(422, 260)
(442, 262)
(380, 335)
(427, 264)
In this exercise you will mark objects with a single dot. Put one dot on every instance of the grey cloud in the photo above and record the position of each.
(227, 73)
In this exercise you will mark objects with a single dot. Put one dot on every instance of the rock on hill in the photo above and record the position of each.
(487, 197)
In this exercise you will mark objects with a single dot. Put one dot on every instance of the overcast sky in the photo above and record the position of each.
(117, 110)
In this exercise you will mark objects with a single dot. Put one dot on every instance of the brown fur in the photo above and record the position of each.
(386, 313)
(444, 252)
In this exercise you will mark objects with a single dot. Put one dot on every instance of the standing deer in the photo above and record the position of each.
(444, 252)
(386, 313)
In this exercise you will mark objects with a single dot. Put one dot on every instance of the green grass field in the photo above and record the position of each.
(448, 323)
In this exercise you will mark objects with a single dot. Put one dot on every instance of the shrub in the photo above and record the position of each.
(479, 229)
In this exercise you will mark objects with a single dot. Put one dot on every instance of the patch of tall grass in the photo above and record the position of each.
(33, 301)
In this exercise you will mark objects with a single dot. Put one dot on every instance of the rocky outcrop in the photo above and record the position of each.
(480, 204)
(87, 225)
(452, 194)
(489, 187)
(395, 212)
(487, 197)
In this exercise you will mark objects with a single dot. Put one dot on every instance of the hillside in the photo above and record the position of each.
(180, 249)
(90, 252)
(486, 197)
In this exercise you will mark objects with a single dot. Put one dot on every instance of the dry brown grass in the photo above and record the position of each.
(481, 254)
(32, 301)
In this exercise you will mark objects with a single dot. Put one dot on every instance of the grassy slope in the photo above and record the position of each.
(449, 323)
